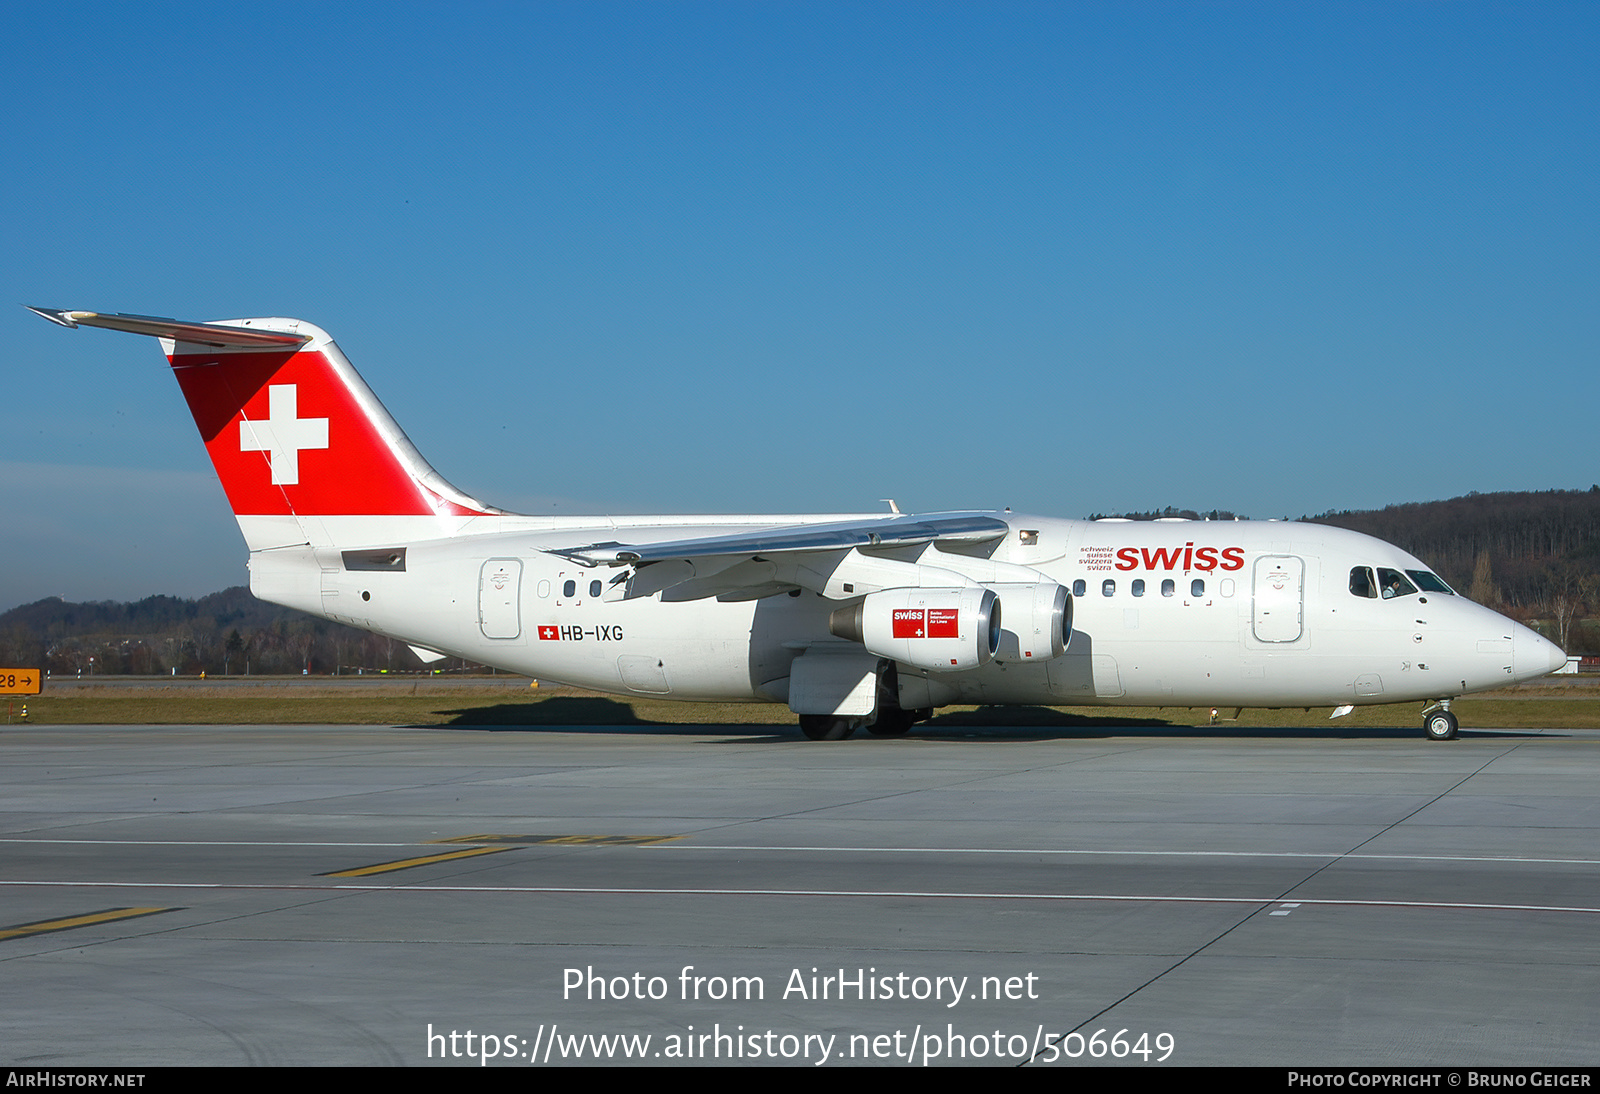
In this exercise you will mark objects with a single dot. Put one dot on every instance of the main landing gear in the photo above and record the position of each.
(826, 727)
(1438, 723)
(895, 722)
(891, 722)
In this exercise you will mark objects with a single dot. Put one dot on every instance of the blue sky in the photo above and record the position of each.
(757, 257)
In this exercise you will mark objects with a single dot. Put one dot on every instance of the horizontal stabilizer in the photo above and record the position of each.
(200, 334)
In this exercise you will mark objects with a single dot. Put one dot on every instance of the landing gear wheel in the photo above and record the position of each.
(895, 722)
(826, 727)
(1440, 726)
(892, 723)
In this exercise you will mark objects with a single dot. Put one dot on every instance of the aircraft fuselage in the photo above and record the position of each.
(1226, 613)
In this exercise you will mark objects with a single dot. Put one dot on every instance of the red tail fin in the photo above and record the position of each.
(295, 435)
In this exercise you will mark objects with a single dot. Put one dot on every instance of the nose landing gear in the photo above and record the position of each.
(1438, 723)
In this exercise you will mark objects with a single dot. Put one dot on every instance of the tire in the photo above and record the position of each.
(826, 727)
(1440, 726)
(892, 723)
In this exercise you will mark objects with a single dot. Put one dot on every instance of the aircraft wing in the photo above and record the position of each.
(830, 559)
(896, 531)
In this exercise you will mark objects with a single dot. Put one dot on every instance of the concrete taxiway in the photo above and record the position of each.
(339, 895)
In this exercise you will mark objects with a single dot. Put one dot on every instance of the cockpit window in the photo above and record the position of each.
(1394, 583)
(1430, 583)
(1361, 583)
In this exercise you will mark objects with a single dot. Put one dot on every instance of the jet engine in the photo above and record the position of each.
(940, 630)
(1038, 621)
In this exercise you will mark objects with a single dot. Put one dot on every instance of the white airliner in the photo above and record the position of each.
(852, 621)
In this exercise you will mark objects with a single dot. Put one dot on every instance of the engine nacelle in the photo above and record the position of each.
(1038, 621)
(940, 630)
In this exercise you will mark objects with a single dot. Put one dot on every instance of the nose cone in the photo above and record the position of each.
(1533, 655)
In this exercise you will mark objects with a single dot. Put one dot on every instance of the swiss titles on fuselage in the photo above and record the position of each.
(1204, 558)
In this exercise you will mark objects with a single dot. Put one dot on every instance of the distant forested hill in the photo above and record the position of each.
(226, 632)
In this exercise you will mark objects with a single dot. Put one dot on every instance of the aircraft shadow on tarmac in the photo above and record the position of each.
(592, 714)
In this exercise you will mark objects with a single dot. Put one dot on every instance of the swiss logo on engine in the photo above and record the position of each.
(925, 623)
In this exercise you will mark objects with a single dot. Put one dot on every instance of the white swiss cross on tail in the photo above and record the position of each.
(283, 435)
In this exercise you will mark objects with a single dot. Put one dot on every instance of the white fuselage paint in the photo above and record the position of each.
(1275, 624)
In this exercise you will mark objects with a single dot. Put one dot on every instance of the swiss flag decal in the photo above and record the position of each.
(908, 623)
(925, 623)
(287, 435)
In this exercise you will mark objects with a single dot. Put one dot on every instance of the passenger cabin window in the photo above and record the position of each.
(1393, 583)
(1079, 588)
(1138, 586)
(570, 588)
(1197, 588)
(1168, 587)
(1361, 582)
(594, 588)
(1108, 588)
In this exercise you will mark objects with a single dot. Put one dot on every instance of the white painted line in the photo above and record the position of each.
(854, 894)
(680, 846)
(749, 849)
